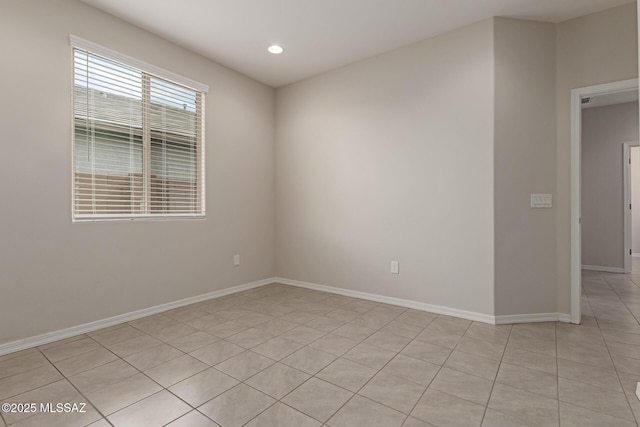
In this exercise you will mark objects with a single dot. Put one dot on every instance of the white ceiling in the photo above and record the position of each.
(319, 35)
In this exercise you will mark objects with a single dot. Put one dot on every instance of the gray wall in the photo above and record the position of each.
(56, 274)
(595, 49)
(391, 158)
(524, 150)
(604, 131)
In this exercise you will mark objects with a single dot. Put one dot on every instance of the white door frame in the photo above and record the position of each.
(626, 171)
(576, 199)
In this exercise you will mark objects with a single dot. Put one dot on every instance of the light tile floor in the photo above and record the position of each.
(282, 356)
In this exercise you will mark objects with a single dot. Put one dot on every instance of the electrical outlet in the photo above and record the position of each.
(395, 267)
(236, 260)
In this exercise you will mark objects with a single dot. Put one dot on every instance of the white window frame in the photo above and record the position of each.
(203, 89)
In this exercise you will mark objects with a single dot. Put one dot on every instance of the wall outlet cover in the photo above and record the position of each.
(541, 201)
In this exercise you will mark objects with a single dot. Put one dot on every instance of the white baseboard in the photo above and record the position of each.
(635, 255)
(532, 318)
(604, 269)
(49, 337)
(122, 318)
(469, 315)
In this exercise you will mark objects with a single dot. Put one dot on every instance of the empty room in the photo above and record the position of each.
(298, 213)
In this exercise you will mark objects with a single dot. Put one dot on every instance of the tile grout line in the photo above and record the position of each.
(606, 343)
(280, 400)
(184, 379)
(336, 385)
(280, 361)
(163, 388)
(613, 363)
(437, 372)
(367, 382)
(622, 300)
(341, 356)
(495, 380)
(121, 380)
(377, 372)
(66, 379)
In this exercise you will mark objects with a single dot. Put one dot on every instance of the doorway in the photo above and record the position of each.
(578, 97)
(631, 175)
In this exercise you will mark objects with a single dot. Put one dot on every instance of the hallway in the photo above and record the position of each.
(609, 336)
(612, 297)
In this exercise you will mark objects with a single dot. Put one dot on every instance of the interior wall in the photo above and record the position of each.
(391, 158)
(604, 131)
(525, 122)
(594, 49)
(635, 201)
(54, 273)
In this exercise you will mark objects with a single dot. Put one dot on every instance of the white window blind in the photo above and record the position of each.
(138, 149)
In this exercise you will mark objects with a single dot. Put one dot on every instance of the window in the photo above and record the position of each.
(138, 139)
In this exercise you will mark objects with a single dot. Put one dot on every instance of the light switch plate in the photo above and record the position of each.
(395, 267)
(541, 201)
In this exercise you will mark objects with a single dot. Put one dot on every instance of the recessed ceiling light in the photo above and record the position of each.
(275, 49)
